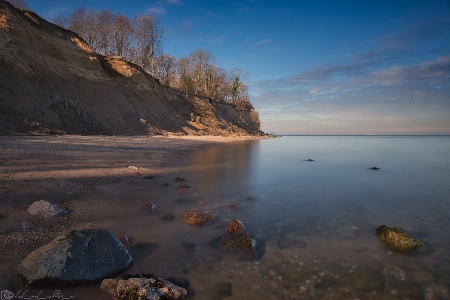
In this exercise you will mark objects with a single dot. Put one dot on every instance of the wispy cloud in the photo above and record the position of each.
(177, 2)
(262, 42)
(156, 10)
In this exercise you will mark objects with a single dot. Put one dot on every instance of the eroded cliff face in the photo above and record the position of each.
(52, 82)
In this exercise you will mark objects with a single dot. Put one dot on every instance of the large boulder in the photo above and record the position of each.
(75, 257)
(398, 238)
(142, 287)
(46, 209)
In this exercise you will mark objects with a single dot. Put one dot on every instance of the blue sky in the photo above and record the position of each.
(316, 67)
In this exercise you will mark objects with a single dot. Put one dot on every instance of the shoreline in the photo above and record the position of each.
(66, 170)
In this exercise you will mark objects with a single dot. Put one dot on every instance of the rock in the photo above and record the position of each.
(374, 168)
(203, 268)
(289, 243)
(197, 218)
(183, 188)
(398, 238)
(248, 198)
(239, 241)
(179, 179)
(167, 217)
(149, 207)
(217, 292)
(142, 287)
(75, 257)
(149, 177)
(123, 239)
(184, 283)
(64, 184)
(235, 226)
(165, 184)
(27, 226)
(133, 168)
(188, 246)
(5, 231)
(367, 280)
(46, 209)
(309, 159)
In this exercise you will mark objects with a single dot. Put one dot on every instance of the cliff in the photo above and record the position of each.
(51, 82)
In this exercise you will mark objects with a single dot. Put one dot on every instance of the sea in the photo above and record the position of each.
(312, 203)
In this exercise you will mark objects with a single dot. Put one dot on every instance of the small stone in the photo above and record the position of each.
(179, 179)
(124, 239)
(167, 217)
(374, 168)
(188, 246)
(235, 226)
(149, 177)
(27, 226)
(183, 188)
(197, 218)
(46, 209)
(249, 198)
(133, 168)
(238, 241)
(63, 184)
(5, 231)
(149, 207)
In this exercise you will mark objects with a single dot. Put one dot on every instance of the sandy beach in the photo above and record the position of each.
(66, 170)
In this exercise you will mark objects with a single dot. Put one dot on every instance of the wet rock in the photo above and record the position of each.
(197, 218)
(123, 239)
(242, 242)
(133, 168)
(217, 292)
(289, 243)
(231, 208)
(235, 226)
(5, 231)
(149, 207)
(309, 159)
(184, 283)
(46, 209)
(142, 287)
(184, 201)
(374, 168)
(27, 226)
(183, 188)
(398, 238)
(165, 184)
(63, 184)
(76, 256)
(367, 280)
(248, 198)
(167, 217)
(421, 276)
(179, 179)
(149, 177)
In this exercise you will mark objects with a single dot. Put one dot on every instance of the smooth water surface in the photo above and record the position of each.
(314, 221)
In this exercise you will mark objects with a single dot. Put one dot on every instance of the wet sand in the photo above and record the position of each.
(70, 172)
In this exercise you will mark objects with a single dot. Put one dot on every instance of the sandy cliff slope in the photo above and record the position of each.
(52, 82)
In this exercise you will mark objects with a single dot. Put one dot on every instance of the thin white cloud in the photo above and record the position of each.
(262, 42)
(156, 10)
(177, 2)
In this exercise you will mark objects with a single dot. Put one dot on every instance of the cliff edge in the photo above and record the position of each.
(51, 82)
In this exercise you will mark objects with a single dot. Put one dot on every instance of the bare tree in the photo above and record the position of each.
(105, 20)
(121, 36)
(147, 38)
(84, 23)
(166, 69)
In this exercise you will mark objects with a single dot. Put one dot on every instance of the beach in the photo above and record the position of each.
(66, 170)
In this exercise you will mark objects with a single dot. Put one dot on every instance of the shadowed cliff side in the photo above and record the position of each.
(51, 82)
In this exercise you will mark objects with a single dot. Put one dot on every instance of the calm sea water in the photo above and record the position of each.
(314, 221)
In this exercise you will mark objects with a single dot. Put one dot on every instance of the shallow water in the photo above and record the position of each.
(332, 204)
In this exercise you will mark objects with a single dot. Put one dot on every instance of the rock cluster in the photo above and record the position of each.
(142, 287)
(398, 238)
(75, 257)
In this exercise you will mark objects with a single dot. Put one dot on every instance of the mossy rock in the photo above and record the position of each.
(398, 238)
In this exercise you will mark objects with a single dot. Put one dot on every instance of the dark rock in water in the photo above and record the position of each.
(242, 242)
(183, 188)
(27, 226)
(63, 184)
(374, 168)
(149, 177)
(46, 209)
(142, 287)
(184, 201)
(179, 179)
(309, 159)
(5, 231)
(217, 292)
(197, 218)
(165, 184)
(398, 238)
(75, 257)
(367, 280)
(289, 243)
(124, 239)
(149, 207)
(235, 226)
(167, 217)
(248, 198)
(203, 268)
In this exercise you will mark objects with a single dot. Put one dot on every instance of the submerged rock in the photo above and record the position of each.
(46, 209)
(398, 238)
(243, 242)
(179, 179)
(27, 226)
(142, 287)
(197, 218)
(367, 280)
(75, 257)
(183, 188)
(149, 207)
(235, 226)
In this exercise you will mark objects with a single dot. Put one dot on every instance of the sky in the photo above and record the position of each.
(318, 66)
